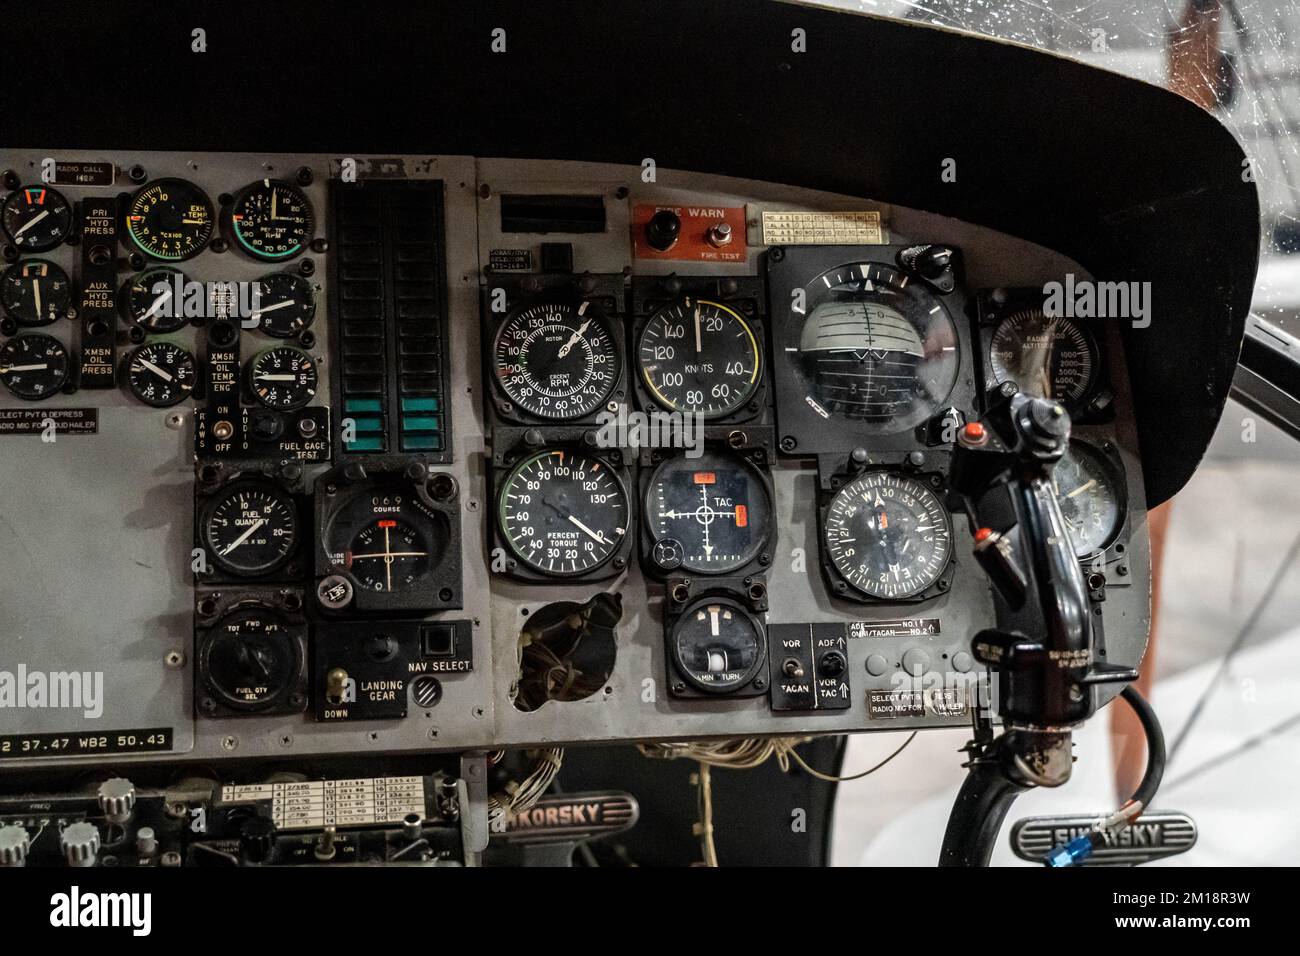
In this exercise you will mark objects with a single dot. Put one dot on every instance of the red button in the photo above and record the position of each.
(973, 432)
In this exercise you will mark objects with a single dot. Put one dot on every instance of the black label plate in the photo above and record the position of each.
(80, 743)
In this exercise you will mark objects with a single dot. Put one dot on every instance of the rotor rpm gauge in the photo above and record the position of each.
(160, 374)
(170, 219)
(36, 218)
(1047, 357)
(286, 304)
(35, 292)
(700, 357)
(1090, 492)
(563, 513)
(874, 349)
(713, 514)
(282, 378)
(271, 220)
(250, 528)
(33, 366)
(555, 361)
(717, 645)
(888, 535)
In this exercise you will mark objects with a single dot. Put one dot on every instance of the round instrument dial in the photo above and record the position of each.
(282, 378)
(708, 515)
(35, 292)
(36, 218)
(250, 528)
(154, 299)
(271, 220)
(717, 645)
(386, 537)
(160, 374)
(33, 366)
(888, 535)
(170, 219)
(563, 513)
(874, 349)
(251, 658)
(556, 361)
(287, 304)
(1045, 357)
(700, 357)
(1090, 492)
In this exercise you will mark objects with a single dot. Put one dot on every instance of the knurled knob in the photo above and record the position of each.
(117, 799)
(14, 841)
(80, 843)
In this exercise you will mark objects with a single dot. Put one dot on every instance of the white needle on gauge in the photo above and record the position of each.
(277, 378)
(243, 537)
(1082, 488)
(30, 222)
(271, 308)
(36, 294)
(713, 621)
(158, 303)
(25, 368)
(573, 339)
(161, 373)
(587, 531)
(699, 346)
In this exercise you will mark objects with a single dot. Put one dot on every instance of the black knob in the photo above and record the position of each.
(257, 839)
(663, 229)
(933, 261)
(832, 664)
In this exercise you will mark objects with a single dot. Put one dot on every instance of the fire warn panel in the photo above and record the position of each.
(689, 233)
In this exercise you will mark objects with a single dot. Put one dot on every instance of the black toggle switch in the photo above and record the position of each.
(663, 229)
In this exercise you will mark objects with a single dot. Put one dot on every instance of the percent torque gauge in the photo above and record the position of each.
(563, 513)
(556, 361)
(271, 220)
(33, 366)
(700, 357)
(36, 218)
(35, 292)
(160, 374)
(888, 535)
(282, 378)
(708, 515)
(249, 528)
(170, 219)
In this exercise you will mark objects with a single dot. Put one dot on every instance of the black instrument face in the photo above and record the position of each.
(700, 357)
(282, 378)
(36, 218)
(563, 513)
(708, 515)
(160, 374)
(717, 645)
(250, 528)
(556, 361)
(271, 220)
(1090, 493)
(35, 292)
(875, 349)
(287, 304)
(250, 660)
(888, 535)
(386, 538)
(1044, 356)
(33, 366)
(151, 299)
(170, 219)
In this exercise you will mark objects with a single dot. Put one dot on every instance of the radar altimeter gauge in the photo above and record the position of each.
(717, 646)
(887, 535)
(700, 357)
(249, 528)
(35, 292)
(873, 349)
(1047, 357)
(563, 513)
(708, 515)
(1090, 492)
(556, 362)
(36, 218)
